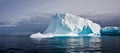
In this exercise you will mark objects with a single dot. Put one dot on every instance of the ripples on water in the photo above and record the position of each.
(23, 44)
(70, 44)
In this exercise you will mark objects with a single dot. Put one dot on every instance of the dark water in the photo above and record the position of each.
(24, 44)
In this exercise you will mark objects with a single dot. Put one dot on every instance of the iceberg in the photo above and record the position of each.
(66, 24)
(110, 30)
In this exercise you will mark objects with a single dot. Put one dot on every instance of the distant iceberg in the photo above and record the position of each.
(110, 30)
(66, 24)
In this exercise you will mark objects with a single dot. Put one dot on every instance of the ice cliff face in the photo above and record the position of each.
(63, 23)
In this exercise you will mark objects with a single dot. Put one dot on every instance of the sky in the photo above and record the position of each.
(12, 11)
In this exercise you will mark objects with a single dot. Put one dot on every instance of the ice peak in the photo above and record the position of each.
(64, 14)
(59, 13)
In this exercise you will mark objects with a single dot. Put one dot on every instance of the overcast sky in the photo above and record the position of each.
(16, 10)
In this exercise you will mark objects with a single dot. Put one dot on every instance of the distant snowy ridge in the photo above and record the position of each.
(66, 24)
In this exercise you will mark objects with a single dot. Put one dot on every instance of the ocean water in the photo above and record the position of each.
(24, 44)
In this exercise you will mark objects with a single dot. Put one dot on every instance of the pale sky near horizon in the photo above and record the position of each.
(19, 9)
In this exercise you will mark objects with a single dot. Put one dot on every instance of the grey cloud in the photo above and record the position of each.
(15, 11)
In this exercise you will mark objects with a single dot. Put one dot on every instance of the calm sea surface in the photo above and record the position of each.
(24, 44)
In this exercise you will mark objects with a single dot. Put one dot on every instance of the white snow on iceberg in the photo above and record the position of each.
(48, 35)
(66, 24)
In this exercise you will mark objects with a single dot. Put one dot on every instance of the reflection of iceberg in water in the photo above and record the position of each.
(88, 44)
(70, 44)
